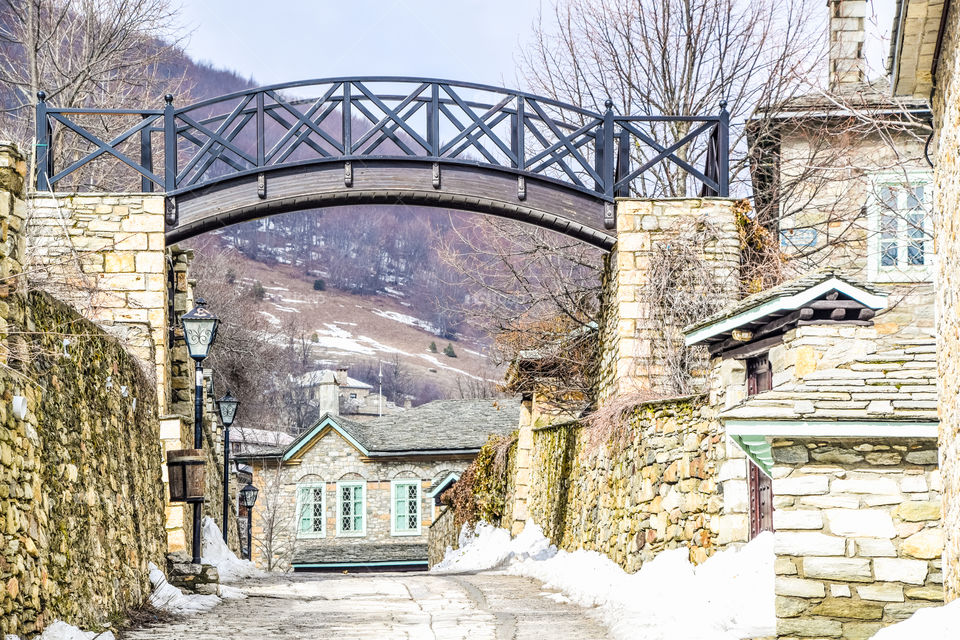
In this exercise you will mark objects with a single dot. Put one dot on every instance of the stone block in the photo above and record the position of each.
(142, 222)
(119, 262)
(847, 608)
(900, 570)
(786, 607)
(881, 592)
(926, 544)
(860, 630)
(875, 523)
(809, 628)
(799, 587)
(808, 544)
(917, 511)
(797, 519)
(801, 485)
(875, 547)
(933, 594)
(794, 454)
(928, 457)
(150, 262)
(866, 485)
(849, 569)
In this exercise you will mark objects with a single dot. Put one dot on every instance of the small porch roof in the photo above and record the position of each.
(763, 308)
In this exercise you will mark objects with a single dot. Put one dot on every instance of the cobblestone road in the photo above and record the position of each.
(387, 607)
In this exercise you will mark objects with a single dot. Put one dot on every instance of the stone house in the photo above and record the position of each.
(838, 420)
(334, 391)
(924, 64)
(361, 495)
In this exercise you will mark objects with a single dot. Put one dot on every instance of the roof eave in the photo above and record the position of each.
(695, 335)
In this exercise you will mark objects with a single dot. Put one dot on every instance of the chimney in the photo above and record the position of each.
(328, 394)
(847, 66)
(340, 377)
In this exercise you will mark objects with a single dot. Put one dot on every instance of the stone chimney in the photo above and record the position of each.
(341, 375)
(328, 393)
(847, 66)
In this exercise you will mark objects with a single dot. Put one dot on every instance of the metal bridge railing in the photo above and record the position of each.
(374, 118)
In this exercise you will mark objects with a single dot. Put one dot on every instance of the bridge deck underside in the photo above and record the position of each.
(467, 188)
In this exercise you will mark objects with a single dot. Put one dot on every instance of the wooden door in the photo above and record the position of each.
(761, 500)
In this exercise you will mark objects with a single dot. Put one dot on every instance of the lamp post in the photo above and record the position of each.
(248, 496)
(199, 332)
(227, 405)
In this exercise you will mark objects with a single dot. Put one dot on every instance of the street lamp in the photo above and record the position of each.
(199, 332)
(248, 496)
(227, 405)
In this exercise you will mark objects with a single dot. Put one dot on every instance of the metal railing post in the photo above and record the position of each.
(723, 152)
(607, 151)
(169, 146)
(146, 157)
(42, 150)
(623, 163)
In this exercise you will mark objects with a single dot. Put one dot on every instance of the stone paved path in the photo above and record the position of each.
(398, 606)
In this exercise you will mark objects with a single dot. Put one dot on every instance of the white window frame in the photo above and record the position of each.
(393, 507)
(323, 507)
(363, 509)
(901, 272)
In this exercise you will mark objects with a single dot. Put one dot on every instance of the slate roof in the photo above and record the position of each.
(783, 290)
(896, 384)
(360, 553)
(326, 376)
(870, 96)
(441, 426)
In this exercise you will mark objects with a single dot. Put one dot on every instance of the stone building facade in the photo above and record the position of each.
(361, 495)
(925, 63)
(842, 417)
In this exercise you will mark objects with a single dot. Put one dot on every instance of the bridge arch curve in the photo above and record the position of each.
(379, 139)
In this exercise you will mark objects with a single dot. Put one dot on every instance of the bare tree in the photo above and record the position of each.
(277, 520)
(84, 53)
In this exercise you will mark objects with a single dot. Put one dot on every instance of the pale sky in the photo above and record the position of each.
(281, 40)
(471, 40)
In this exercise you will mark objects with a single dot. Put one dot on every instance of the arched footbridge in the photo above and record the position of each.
(370, 140)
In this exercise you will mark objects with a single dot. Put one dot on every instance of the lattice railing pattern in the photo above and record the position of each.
(356, 119)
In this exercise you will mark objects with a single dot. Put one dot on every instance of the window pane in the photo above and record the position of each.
(888, 225)
(915, 238)
(888, 254)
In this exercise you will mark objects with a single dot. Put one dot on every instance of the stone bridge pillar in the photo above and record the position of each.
(637, 347)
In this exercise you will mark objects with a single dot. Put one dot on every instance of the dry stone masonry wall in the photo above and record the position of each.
(858, 535)
(668, 479)
(946, 110)
(81, 512)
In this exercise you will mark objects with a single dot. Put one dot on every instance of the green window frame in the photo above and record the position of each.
(311, 510)
(405, 507)
(351, 509)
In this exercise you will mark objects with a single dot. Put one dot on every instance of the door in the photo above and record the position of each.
(761, 500)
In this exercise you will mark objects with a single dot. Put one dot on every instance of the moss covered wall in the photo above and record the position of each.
(656, 483)
(81, 506)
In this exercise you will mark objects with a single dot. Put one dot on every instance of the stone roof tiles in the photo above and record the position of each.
(360, 554)
(897, 384)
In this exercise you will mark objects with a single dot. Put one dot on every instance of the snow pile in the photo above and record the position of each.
(167, 597)
(60, 630)
(490, 547)
(930, 622)
(217, 553)
(731, 593)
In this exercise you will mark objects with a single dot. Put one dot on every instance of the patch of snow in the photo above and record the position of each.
(285, 309)
(292, 300)
(929, 622)
(732, 592)
(475, 353)
(231, 593)
(394, 292)
(272, 319)
(60, 630)
(273, 288)
(407, 320)
(167, 597)
(217, 553)
(346, 324)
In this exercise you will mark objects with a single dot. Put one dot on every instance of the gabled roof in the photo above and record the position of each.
(441, 427)
(777, 301)
(443, 483)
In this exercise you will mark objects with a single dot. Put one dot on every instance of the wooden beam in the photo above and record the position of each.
(754, 348)
(835, 304)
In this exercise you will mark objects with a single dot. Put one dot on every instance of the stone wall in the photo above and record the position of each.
(630, 334)
(858, 535)
(81, 510)
(665, 479)
(443, 535)
(104, 254)
(946, 109)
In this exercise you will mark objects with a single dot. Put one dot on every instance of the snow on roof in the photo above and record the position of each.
(265, 437)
